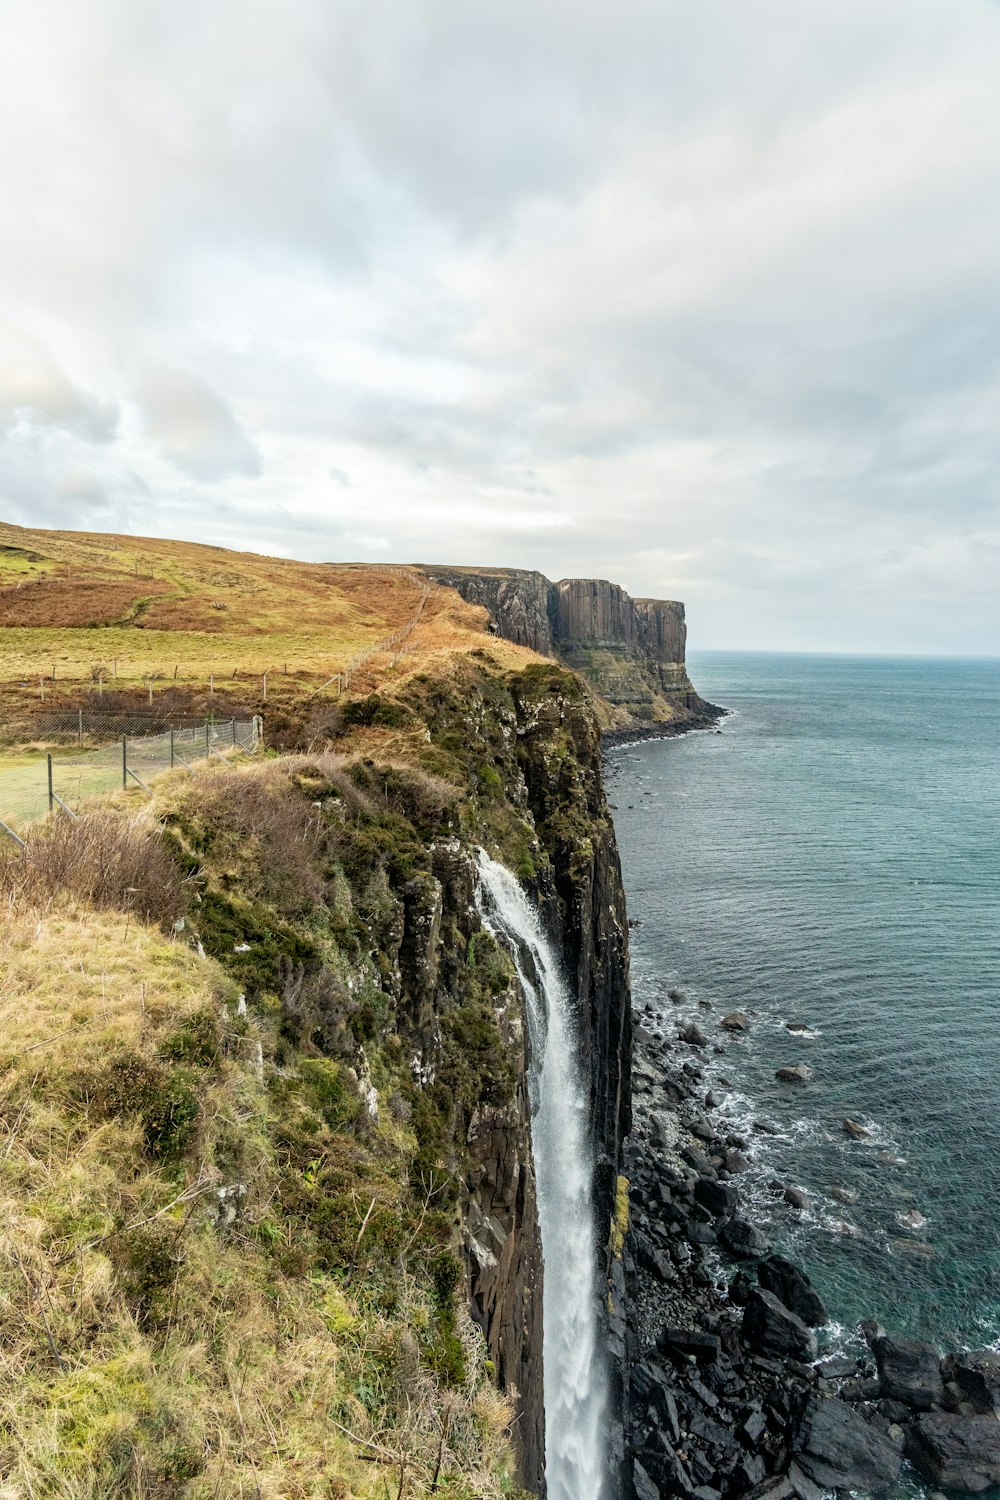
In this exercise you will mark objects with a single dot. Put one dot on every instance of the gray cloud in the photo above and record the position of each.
(701, 297)
(193, 427)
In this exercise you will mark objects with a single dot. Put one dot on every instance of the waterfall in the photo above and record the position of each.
(574, 1386)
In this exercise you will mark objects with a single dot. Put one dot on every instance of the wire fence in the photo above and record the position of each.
(75, 726)
(35, 788)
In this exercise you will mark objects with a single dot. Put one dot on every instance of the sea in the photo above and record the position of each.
(830, 862)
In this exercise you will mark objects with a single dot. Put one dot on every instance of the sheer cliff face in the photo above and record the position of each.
(539, 739)
(631, 651)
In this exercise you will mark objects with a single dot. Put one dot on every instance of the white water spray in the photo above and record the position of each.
(574, 1386)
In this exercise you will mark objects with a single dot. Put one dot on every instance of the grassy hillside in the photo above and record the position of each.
(76, 608)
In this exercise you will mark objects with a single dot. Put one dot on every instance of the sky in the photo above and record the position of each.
(699, 295)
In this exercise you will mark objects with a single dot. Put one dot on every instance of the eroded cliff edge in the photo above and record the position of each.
(630, 651)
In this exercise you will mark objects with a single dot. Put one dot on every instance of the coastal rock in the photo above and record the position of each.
(630, 650)
(839, 1450)
(844, 1195)
(909, 1371)
(693, 1035)
(852, 1128)
(720, 1198)
(792, 1287)
(737, 1020)
(743, 1239)
(642, 1485)
(977, 1376)
(956, 1452)
(796, 1197)
(768, 1324)
(800, 1073)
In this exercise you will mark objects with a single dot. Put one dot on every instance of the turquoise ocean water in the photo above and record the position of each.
(832, 859)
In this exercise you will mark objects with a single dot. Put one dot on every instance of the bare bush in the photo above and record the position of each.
(103, 858)
(259, 832)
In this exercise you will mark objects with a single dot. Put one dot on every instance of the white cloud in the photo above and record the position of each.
(701, 297)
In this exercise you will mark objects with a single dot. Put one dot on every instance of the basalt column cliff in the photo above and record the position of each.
(631, 651)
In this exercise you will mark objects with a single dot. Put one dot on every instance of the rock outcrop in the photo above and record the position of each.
(631, 651)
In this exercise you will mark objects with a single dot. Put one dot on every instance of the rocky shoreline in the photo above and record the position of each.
(713, 1337)
(612, 739)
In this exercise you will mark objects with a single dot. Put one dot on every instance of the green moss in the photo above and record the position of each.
(490, 784)
(619, 1224)
(198, 1041)
(251, 940)
(145, 1260)
(327, 1089)
(163, 1098)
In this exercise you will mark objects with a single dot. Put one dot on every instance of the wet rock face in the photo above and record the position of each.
(839, 1450)
(909, 1371)
(792, 1287)
(769, 1325)
(974, 1378)
(956, 1452)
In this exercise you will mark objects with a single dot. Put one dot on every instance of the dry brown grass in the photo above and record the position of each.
(199, 611)
(105, 859)
(62, 602)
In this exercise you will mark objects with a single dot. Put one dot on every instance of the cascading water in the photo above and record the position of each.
(574, 1385)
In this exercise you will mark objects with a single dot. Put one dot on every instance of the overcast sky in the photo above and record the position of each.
(699, 295)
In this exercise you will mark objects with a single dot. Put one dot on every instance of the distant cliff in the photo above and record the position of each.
(631, 651)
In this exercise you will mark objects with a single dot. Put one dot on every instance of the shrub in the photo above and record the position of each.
(162, 1098)
(103, 859)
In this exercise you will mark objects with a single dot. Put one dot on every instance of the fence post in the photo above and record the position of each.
(79, 726)
(171, 747)
(125, 761)
(51, 797)
(233, 721)
(265, 687)
(208, 746)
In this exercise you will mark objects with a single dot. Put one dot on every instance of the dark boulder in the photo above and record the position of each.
(720, 1198)
(693, 1035)
(743, 1239)
(838, 1450)
(799, 1073)
(792, 1287)
(909, 1371)
(769, 1325)
(977, 1377)
(956, 1452)
(684, 1341)
(643, 1486)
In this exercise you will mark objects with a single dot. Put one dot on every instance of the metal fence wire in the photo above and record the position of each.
(65, 781)
(74, 725)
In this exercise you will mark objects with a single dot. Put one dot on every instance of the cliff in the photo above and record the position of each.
(302, 1117)
(530, 747)
(630, 651)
